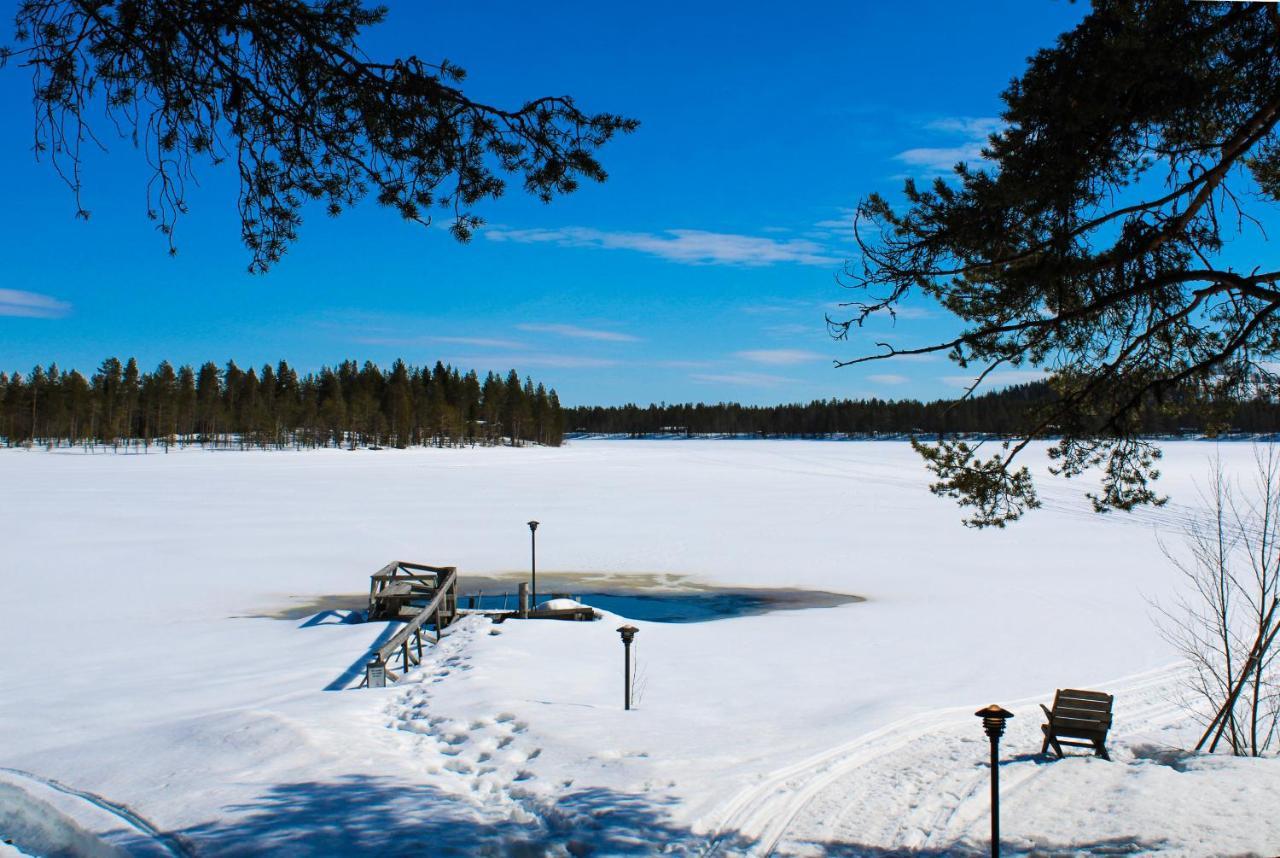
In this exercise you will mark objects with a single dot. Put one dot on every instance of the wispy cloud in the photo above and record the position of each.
(685, 246)
(578, 333)
(414, 342)
(913, 312)
(888, 378)
(838, 231)
(778, 307)
(792, 329)
(779, 357)
(838, 227)
(31, 305)
(844, 223)
(682, 364)
(745, 379)
(980, 127)
(941, 159)
(520, 361)
(840, 310)
(999, 378)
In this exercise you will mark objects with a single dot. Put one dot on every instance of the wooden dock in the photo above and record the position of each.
(393, 590)
(425, 597)
(395, 587)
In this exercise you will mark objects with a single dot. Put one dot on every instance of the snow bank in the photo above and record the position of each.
(50, 819)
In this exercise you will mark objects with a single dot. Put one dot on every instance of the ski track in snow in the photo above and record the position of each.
(920, 783)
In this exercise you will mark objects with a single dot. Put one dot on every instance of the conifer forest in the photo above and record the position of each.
(348, 404)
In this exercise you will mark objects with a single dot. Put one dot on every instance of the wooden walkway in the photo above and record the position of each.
(427, 596)
(393, 591)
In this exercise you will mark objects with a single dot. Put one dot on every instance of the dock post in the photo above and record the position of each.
(522, 600)
(417, 639)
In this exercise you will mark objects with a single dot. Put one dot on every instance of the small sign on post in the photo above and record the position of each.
(376, 674)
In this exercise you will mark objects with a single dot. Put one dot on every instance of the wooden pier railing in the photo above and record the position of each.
(422, 595)
(392, 591)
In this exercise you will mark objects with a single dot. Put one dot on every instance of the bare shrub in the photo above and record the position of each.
(1225, 620)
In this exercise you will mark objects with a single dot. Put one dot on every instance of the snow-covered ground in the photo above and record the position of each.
(149, 705)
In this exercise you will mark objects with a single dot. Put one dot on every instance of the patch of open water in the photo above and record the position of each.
(652, 597)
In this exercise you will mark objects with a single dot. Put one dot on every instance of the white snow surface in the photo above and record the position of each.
(559, 604)
(149, 706)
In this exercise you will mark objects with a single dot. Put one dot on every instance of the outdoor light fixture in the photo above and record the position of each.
(993, 718)
(628, 635)
(533, 561)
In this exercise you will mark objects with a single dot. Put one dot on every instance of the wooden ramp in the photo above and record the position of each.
(418, 594)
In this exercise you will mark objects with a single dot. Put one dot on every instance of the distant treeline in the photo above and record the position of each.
(1000, 412)
(349, 405)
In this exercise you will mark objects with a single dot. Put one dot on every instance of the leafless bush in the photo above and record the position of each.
(1225, 620)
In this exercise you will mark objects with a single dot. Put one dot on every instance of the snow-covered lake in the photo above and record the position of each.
(149, 702)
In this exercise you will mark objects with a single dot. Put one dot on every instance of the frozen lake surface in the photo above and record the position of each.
(154, 698)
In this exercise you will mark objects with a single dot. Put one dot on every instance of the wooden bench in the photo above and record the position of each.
(1078, 715)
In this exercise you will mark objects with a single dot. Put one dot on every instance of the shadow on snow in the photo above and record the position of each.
(362, 814)
(356, 669)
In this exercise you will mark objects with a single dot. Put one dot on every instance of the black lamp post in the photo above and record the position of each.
(533, 561)
(628, 635)
(993, 718)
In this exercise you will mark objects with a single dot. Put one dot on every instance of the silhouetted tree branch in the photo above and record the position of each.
(281, 89)
(1090, 243)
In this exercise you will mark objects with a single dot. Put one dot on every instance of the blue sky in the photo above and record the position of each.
(700, 271)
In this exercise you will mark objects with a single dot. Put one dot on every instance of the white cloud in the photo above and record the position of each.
(779, 306)
(999, 378)
(842, 222)
(519, 361)
(970, 126)
(792, 329)
(682, 364)
(888, 378)
(941, 159)
(412, 342)
(746, 379)
(841, 310)
(31, 305)
(577, 333)
(685, 246)
(914, 313)
(838, 229)
(779, 357)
